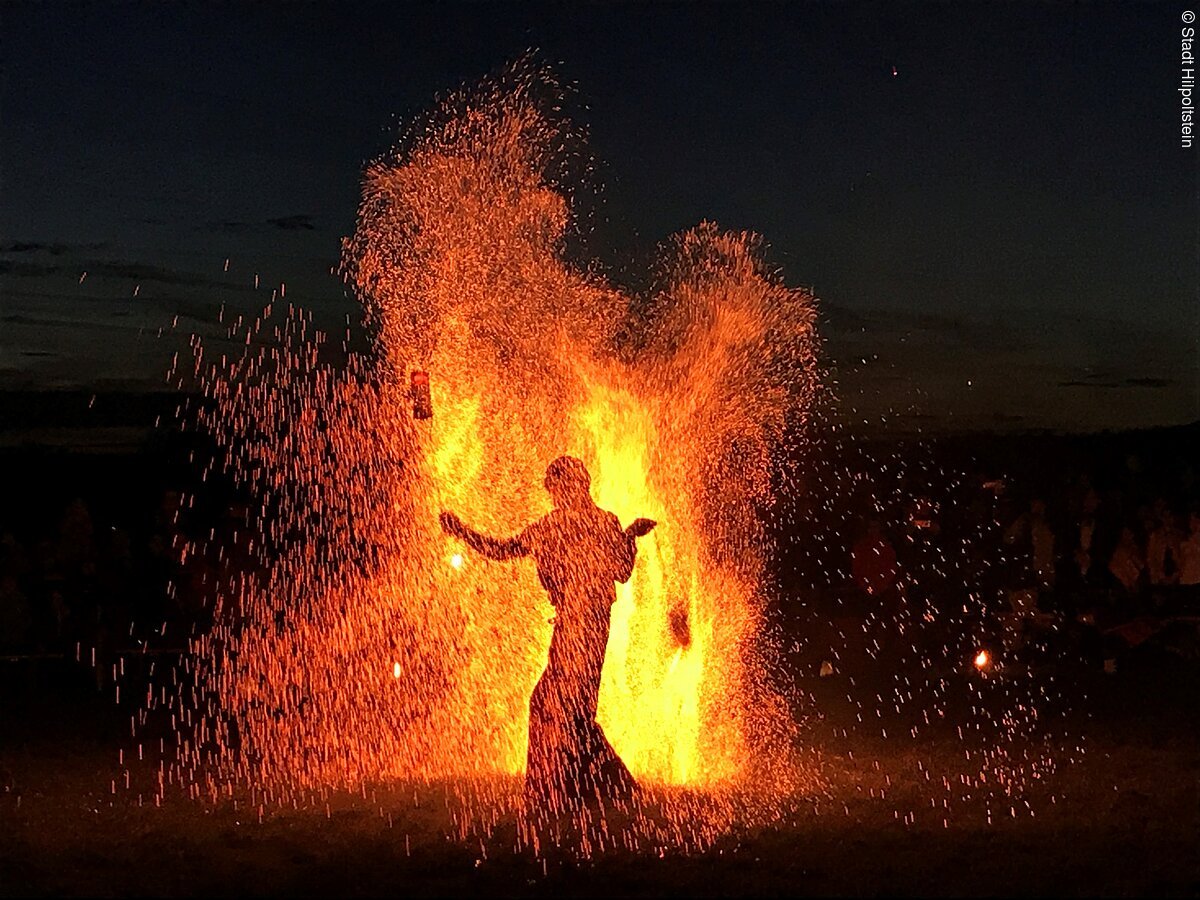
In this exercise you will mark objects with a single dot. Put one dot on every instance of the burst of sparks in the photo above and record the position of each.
(689, 411)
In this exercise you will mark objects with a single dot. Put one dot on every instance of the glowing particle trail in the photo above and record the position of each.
(679, 415)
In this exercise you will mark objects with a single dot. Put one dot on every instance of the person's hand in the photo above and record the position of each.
(452, 524)
(640, 527)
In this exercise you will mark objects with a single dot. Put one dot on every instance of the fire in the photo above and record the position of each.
(676, 402)
(982, 659)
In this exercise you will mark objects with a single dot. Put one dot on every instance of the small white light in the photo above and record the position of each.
(456, 560)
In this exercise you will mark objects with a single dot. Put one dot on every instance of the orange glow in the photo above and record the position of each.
(982, 658)
(676, 411)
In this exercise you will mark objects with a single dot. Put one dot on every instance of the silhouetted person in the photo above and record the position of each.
(16, 619)
(1162, 548)
(1127, 562)
(1189, 554)
(1035, 558)
(581, 552)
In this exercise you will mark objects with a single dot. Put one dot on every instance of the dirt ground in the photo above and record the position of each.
(1122, 819)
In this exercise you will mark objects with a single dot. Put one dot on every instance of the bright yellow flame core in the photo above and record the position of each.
(981, 659)
(658, 698)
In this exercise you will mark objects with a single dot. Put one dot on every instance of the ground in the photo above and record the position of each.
(1122, 819)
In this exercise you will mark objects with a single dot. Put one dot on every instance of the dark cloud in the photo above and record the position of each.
(886, 324)
(123, 270)
(54, 249)
(95, 268)
(27, 269)
(293, 223)
(131, 271)
(1107, 383)
(1149, 382)
(24, 320)
(229, 227)
(298, 222)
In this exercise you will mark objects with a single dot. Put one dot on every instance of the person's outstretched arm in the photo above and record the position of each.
(492, 548)
(626, 551)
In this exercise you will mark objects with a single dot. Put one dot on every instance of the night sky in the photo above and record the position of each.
(990, 200)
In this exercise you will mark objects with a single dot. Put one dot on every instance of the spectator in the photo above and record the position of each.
(1079, 566)
(1146, 519)
(15, 618)
(1034, 534)
(14, 559)
(61, 617)
(1189, 553)
(1162, 549)
(1127, 563)
(76, 549)
(873, 561)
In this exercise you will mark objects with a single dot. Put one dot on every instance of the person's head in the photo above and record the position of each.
(568, 482)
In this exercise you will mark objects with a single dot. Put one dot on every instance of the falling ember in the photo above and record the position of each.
(678, 402)
(982, 659)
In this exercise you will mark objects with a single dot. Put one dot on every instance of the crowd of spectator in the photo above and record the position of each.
(1080, 550)
(82, 584)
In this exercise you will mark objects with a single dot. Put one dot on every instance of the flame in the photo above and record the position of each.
(982, 659)
(675, 401)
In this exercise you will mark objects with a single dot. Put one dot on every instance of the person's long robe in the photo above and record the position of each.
(580, 552)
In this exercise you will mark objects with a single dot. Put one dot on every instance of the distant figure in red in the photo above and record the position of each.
(873, 562)
(581, 552)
